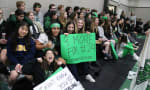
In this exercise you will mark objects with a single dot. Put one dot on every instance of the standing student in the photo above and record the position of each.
(3, 40)
(133, 18)
(20, 50)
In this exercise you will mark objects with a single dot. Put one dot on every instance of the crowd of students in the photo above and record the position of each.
(30, 41)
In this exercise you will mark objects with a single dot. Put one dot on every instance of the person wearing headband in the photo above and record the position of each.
(54, 25)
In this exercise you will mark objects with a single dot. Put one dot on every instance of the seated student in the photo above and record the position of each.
(69, 11)
(51, 40)
(37, 12)
(70, 29)
(20, 6)
(63, 20)
(12, 23)
(36, 28)
(100, 36)
(20, 51)
(127, 30)
(126, 48)
(53, 17)
(49, 63)
(3, 40)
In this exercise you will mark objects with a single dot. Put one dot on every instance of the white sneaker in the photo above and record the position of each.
(90, 78)
(135, 57)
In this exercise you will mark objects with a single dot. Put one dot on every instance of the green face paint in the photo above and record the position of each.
(55, 25)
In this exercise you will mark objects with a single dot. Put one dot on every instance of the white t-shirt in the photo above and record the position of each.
(43, 38)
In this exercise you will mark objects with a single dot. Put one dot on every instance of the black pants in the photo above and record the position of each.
(34, 68)
(75, 68)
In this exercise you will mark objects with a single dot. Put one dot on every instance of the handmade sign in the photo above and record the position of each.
(62, 80)
(77, 48)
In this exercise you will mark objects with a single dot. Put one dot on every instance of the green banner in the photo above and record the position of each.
(77, 48)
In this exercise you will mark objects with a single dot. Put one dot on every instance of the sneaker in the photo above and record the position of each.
(90, 78)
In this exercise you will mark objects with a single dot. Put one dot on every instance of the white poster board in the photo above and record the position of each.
(63, 80)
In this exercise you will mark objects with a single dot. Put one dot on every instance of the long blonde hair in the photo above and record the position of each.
(62, 20)
(94, 28)
(83, 28)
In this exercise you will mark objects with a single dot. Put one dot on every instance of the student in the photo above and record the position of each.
(80, 26)
(37, 12)
(81, 15)
(123, 15)
(94, 26)
(126, 48)
(70, 29)
(133, 18)
(127, 30)
(51, 40)
(114, 29)
(60, 9)
(69, 11)
(49, 63)
(105, 41)
(52, 7)
(36, 28)
(14, 20)
(63, 19)
(73, 18)
(20, 5)
(77, 9)
(53, 17)
(20, 51)
(3, 40)
(87, 21)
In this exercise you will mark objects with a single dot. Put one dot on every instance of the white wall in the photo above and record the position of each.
(10, 5)
(121, 4)
(139, 3)
(141, 8)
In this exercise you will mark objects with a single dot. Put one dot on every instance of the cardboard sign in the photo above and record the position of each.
(62, 80)
(77, 48)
